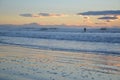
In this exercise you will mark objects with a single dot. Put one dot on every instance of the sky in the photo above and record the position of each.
(91, 13)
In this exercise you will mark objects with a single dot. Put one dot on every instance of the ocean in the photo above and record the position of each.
(93, 40)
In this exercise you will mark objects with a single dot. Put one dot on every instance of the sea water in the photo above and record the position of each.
(93, 40)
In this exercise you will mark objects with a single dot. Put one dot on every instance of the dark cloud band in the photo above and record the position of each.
(107, 18)
(26, 15)
(107, 12)
(51, 14)
(43, 15)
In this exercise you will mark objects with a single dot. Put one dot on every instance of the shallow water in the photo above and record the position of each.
(63, 45)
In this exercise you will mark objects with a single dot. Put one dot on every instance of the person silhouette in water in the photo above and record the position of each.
(84, 29)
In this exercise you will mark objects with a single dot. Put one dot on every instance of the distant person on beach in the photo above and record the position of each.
(84, 29)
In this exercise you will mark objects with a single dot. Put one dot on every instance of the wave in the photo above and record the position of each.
(91, 37)
(63, 45)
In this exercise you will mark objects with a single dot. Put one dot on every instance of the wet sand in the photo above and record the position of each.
(18, 63)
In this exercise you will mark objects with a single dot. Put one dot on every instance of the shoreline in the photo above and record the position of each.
(35, 64)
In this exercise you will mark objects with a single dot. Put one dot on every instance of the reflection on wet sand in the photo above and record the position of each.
(35, 64)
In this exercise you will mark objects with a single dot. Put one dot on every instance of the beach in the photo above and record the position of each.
(21, 63)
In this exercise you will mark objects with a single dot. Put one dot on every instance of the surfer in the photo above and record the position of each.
(84, 29)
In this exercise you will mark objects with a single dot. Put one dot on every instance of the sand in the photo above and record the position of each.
(19, 63)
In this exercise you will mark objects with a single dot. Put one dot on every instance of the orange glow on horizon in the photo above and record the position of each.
(67, 20)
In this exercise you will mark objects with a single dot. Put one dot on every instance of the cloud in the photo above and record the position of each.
(86, 17)
(108, 18)
(26, 15)
(51, 15)
(100, 23)
(86, 20)
(43, 15)
(107, 12)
